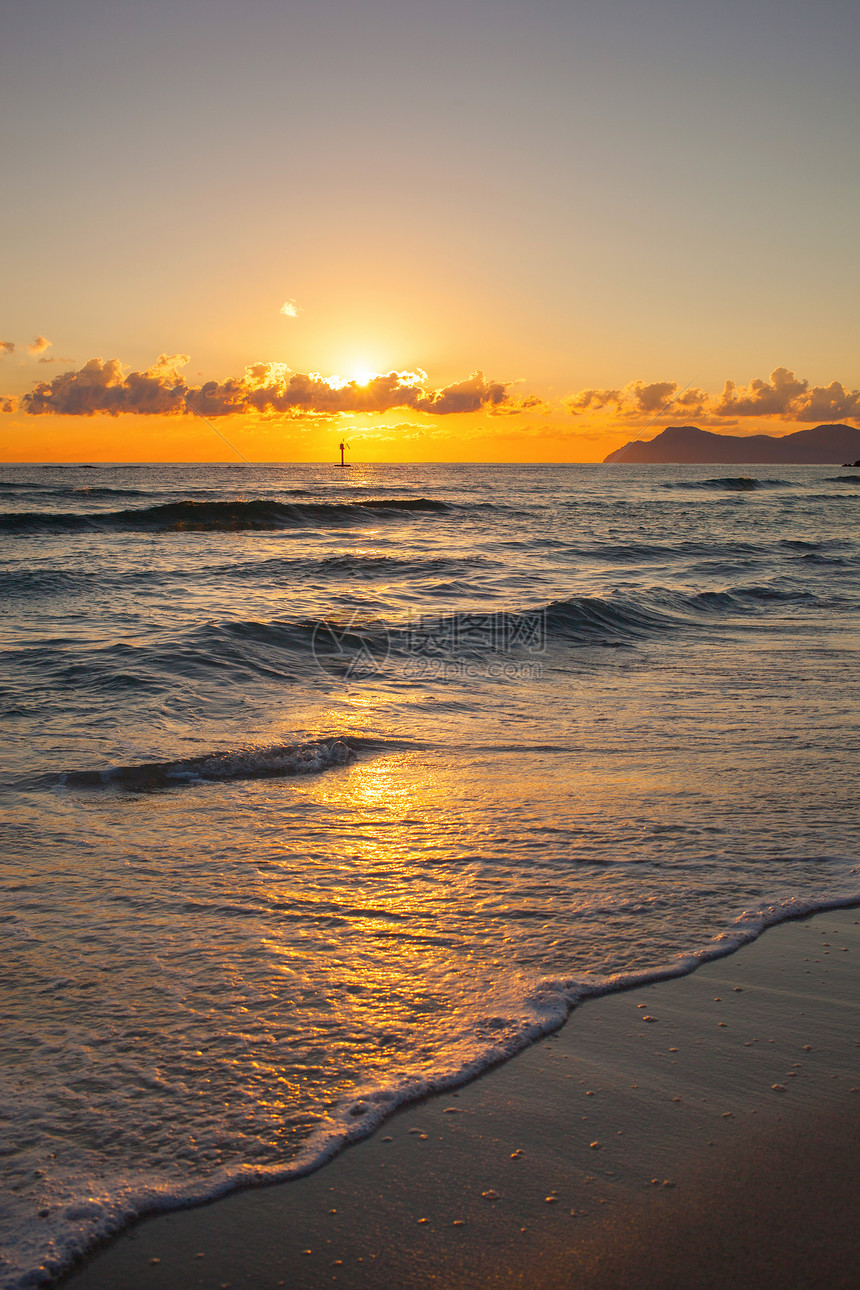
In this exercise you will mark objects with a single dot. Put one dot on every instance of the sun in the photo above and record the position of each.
(363, 375)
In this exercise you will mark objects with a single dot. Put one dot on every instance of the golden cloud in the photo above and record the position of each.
(106, 386)
(783, 395)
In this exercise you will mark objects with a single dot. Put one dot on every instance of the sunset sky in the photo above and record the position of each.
(447, 231)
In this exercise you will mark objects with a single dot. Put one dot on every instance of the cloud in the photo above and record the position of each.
(638, 399)
(39, 345)
(464, 396)
(829, 403)
(761, 398)
(106, 386)
(789, 398)
(783, 395)
(7, 347)
(290, 309)
(8, 404)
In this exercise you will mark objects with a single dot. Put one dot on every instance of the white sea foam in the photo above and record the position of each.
(81, 1211)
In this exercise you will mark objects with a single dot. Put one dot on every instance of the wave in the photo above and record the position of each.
(296, 650)
(841, 479)
(627, 552)
(513, 1023)
(730, 483)
(46, 582)
(221, 516)
(101, 492)
(735, 599)
(276, 762)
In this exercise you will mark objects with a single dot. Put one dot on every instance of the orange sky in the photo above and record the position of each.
(608, 210)
(104, 411)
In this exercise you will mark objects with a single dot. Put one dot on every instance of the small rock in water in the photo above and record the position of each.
(595, 1146)
(779, 1088)
(646, 1018)
(518, 1152)
(490, 1195)
(550, 1200)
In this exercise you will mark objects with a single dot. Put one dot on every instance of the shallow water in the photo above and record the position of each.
(322, 791)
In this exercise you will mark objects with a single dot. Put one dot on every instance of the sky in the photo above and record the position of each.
(481, 230)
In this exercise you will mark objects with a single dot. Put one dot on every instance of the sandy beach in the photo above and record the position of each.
(694, 1132)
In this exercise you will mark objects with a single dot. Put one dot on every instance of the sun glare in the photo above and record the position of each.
(363, 375)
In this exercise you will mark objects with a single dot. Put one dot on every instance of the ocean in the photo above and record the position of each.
(327, 788)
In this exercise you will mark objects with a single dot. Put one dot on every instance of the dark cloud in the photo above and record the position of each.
(8, 404)
(7, 347)
(106, 386)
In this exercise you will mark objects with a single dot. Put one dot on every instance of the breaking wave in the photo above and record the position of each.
(220, 516)
(730, 483)
(276, 762)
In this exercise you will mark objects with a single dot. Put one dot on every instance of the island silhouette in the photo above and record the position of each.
(819, 445)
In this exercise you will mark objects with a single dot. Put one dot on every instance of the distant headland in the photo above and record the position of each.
(818, 446)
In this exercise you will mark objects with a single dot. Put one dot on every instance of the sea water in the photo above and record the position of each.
(323, 789)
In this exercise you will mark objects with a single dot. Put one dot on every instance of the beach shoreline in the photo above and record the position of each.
(679, 1133)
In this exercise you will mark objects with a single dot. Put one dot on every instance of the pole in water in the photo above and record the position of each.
(342, 446)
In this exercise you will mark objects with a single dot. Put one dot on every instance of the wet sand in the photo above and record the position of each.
(697, 1132)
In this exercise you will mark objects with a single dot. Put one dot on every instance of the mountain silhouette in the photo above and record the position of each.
(817, 446)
